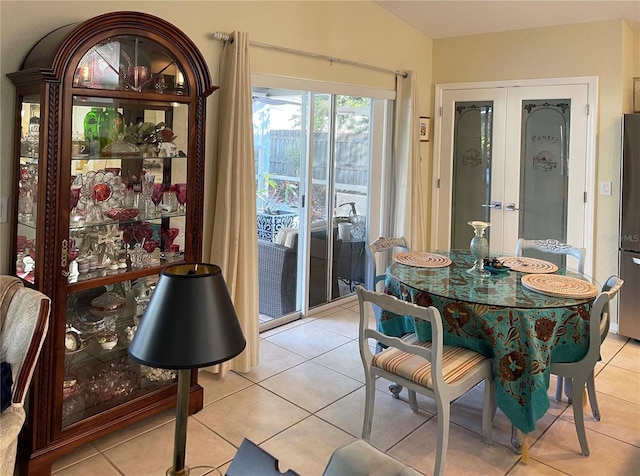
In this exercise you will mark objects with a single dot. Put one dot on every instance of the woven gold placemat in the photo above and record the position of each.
(529, 265)
(422, 259)
(559, 286)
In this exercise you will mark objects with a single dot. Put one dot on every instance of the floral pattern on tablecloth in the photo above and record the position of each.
(522, 341)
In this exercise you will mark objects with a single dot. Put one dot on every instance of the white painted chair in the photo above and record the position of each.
(579, 373)
(360, 458)
(611, 287)
(554, 247)
(439, 371)
(384, 245)
(381, 245)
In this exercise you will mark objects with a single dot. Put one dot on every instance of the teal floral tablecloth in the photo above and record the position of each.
(521, 330)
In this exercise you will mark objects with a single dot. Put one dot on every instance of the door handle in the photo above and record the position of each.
(636, 260)
(510, 207)
(494, 205)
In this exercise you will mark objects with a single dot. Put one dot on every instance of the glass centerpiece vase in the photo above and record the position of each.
(479, 249)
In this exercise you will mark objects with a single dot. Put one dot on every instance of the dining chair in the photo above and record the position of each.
(439, 371)
(380, 245)
(554, 247)
(580, 372)
(611, 287)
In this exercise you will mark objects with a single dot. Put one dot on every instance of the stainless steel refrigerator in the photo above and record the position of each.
(629, 295)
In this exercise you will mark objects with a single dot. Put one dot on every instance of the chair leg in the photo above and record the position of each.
(488, 412)
(443, 436)
(578, 413)
(413, 401)
(593, 400)
(369, 401)
(568, 390)
(444, 416)
(559, 389)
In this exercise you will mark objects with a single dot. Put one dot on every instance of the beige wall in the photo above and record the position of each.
(358, 31)
(608, 50)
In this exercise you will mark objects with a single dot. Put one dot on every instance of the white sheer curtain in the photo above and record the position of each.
(234, 245)
(407, 184)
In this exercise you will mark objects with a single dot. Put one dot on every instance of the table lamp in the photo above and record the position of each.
(190, 322)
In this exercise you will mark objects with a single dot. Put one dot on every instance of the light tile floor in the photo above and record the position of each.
(306, 399)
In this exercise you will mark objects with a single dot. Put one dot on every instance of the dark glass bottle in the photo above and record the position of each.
(110, 125)
(92, 130)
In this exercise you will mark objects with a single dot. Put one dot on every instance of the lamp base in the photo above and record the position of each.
(181, 472)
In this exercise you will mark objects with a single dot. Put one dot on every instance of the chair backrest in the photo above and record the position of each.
(392, 304)
(552, 246)
(24, 327)
(380, 245)
(597, 314)
(611, 287)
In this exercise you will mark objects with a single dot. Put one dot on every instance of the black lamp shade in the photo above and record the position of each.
(190, 321)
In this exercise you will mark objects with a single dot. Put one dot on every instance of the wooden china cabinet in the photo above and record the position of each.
(109, 174)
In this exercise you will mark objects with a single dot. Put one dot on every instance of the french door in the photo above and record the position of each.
(516, 157)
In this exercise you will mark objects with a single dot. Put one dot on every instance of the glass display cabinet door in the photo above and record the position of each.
(128, 192)
(130, 63)
(26, 253)
(127, 216)
(128, 202)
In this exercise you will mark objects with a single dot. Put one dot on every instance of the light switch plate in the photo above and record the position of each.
(605, 188)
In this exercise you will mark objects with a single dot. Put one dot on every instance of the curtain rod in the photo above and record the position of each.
(226, 37)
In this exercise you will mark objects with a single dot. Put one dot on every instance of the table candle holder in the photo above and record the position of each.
(479, 249)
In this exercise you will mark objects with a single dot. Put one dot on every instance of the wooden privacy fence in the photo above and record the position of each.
(352, 156)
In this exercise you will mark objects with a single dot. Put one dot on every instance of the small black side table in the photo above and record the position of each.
(351, 265)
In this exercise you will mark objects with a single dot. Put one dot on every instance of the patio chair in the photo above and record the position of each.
(439, 371)
(580, 372)
(24, 317)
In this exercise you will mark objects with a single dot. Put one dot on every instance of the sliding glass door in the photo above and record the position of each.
(314, 153)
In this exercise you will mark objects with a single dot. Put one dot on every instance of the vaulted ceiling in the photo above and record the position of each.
(445, 19)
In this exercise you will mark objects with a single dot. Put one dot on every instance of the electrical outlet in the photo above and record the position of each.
(4, 213)
(605, 188)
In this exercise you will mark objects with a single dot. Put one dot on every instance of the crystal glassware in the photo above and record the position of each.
(148, 186)
(156, 196)
(181, 195)
(168, 235)
(137, 77)
(75, 196)
(169, 200)
(150, 245)
(160, 83)
(479, 248)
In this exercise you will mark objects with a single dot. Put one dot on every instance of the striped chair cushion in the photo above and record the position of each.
(456, 362)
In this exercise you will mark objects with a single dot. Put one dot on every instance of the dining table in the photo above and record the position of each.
(523, 331)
